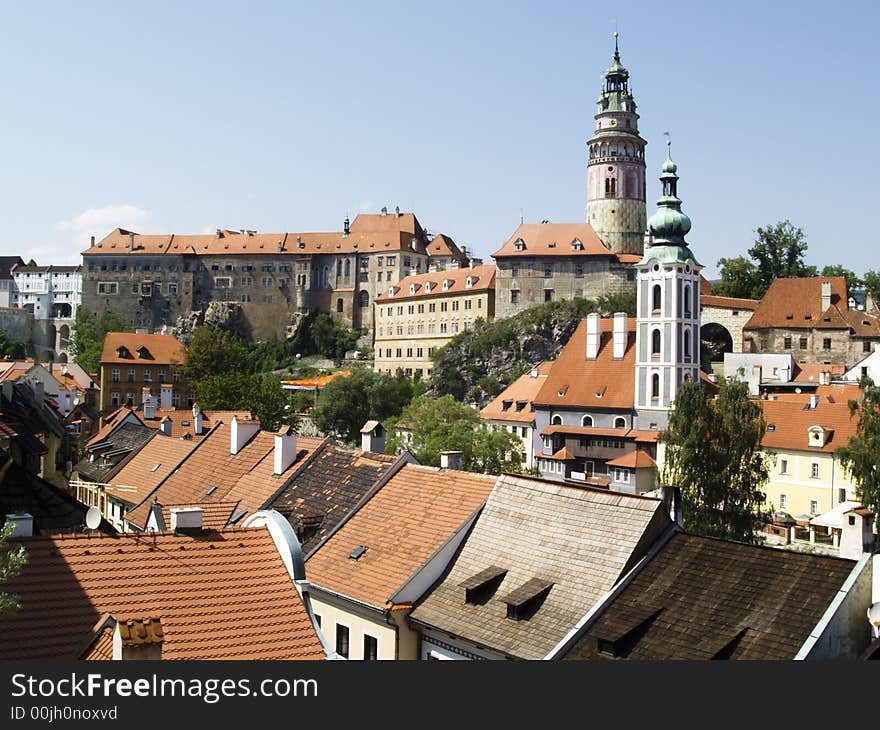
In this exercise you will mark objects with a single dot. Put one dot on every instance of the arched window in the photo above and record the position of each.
(620, 422)
(556, 420)
(610, 187)
(347, 268)
(655, 343)
(339, 268)
(655, 386)
(687, 344)
(687, 300)
(339, 305)
(655, 299)
(587, 422)
(364, 299)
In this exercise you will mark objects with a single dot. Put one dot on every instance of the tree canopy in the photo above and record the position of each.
(345, 404)
(89, 331)
(778, 251)
(713, 454)
(445, 424)
(861, 455)
(12, 560)
(259, 393)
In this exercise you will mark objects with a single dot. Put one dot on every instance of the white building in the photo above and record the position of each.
(52, 294)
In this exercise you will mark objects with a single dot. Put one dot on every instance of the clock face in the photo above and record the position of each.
(613, 122)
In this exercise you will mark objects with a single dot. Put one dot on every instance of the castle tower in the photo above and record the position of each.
(667, 309)
(616, 166)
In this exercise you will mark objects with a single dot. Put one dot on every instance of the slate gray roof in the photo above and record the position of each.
(113, 451)
(579, 539)
(703, 598)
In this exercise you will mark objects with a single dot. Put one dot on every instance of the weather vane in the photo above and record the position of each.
(668, 145)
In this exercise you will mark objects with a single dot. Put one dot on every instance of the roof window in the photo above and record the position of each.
(524, 602)
(505, 404)
(481, 586)
(519, 244)
(357, 553)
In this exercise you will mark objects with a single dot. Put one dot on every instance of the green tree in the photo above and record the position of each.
(445, 424)
(713, 454)
(12, 560)
(11, 349)
(779, 252)
(739, 278)
(331, 339)
(214, 351)
(852, 279)
(89, 331)
(609, 304)
(871, 280)
(261, 394)
(861, 455)
(345, 404)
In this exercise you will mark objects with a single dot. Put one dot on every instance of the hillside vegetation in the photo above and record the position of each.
(476, 365)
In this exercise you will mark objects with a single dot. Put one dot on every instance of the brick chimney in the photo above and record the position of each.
(592, 336)
(451, 459)
(285, 450)
(131, 242)
(240, 432)
(619, 335)
(165, 391)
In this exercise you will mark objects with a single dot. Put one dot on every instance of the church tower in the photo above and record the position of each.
(616, 166)
(668, 308)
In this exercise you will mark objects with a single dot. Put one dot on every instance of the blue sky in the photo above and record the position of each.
(172, 117)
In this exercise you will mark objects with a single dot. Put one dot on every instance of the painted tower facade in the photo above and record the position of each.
(616, 166)
(668, 308)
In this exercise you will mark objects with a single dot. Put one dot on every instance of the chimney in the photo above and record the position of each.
(619, 335)
(39, 390)
(671, 497)
(824, 377)
(857, 533)
(384, 211)
(219, 233)
(145, 395)
(138, 639)
(240, 433)
(373, 437)
(814, 401)
(755, 382)
(451, 459)
(165, 396)
(592, 335)
(166, 425)
(197, 420)
(826, 295)
(285, 450)
(345, 226)
(93, 241)
(131, 242)
(186, 518)
(24, 524)
(150, 406)
(397, 210)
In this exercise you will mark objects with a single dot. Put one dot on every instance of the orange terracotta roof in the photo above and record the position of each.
(710, 300)
(520, 392)
(401, 526)
(244, 477)
(148, 467)
(442, 245)
(787, 425)
(215, 515)
(101, 649)
(621, 433)
(431, 284)
(705, 286)
(634, 460)
(809, 371)
(562, 455)
(160, 349)
(183, 422)
(797, 304)
(834, 393)
(553, 239)
(312, 383)
(137, 632)
(220, 595)
(580, 380)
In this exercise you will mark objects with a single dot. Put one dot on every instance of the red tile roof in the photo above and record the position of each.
(219, 595)
(148, 467)
(431, 284)
(806, 372)
(553, 239)
(634, 460)
(522, 390)
(787, 425)
(710, 300)
(579, 380)
(160, 349)
(401, 526)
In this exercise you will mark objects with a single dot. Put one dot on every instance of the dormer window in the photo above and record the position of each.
(469, 282)
(524, 602)
(427, 287)
(446, 285)
(480, 587)
(412, 288)
(123, 352)
(519, 245)
(144, 353)
(391, 291)
(817, 436)
(576, 245)
(506, 404)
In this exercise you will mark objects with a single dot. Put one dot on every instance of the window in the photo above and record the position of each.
(866, 346)
(803, 343)
(371, 648)
(556, 420)
(548, 295)
(786, 343)
(655, 343)
(655, 386)
(578, 270)
(655, 299)
(131, 375)
(114, 375)
(841, 495)
(514, 296)
(339, 305)
(108, 287)
(444, 306)
(826, 343)
(342, 640)
(454, 306)
(421, 308)
(814, 507)
(620, 422)
(222, 282)
(814, 471)
(148, 375)
(389, 260)
(172, 288)
(175, 377)
(129, 399)
(548, 272)
(267, 281)
(783, 466)
(114, 399)
(161, 376)
(687, 345)
(783, 501)
(587, 422)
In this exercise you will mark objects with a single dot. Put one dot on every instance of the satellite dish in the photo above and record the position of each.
(93, 518)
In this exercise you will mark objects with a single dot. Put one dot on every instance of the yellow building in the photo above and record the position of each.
(424, 311)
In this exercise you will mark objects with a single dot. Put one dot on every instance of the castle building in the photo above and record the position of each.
(616, 166)
(274, 277)
(608, 395)
(52, 294)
